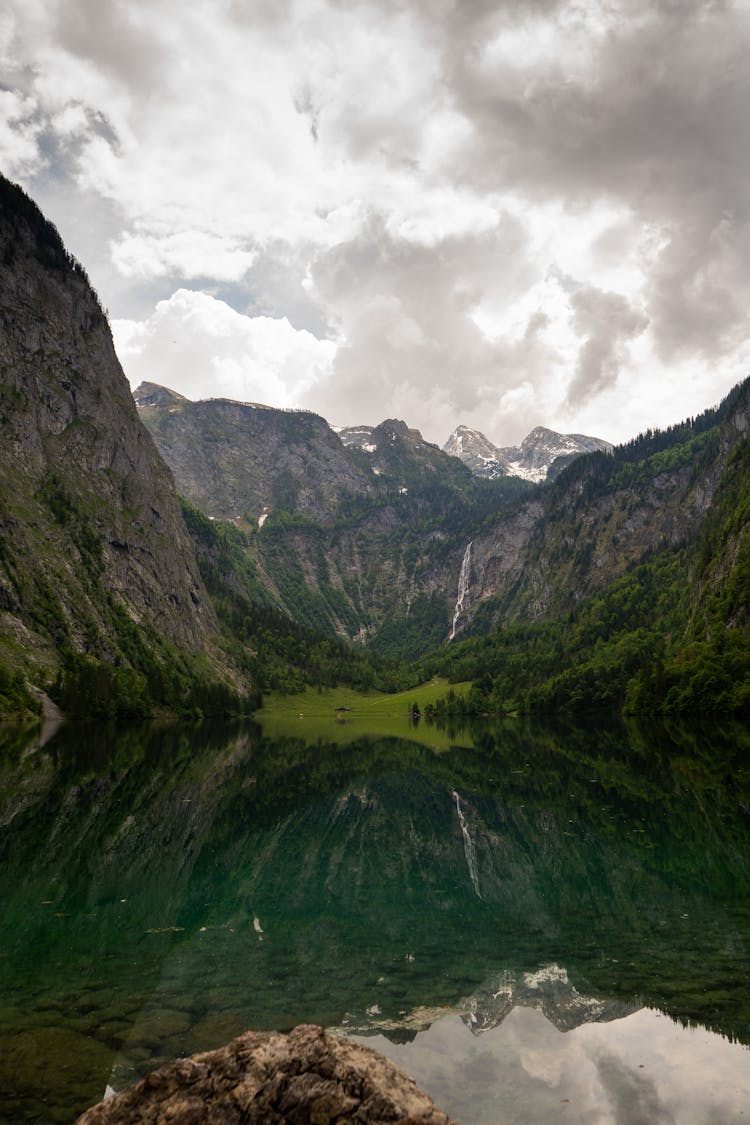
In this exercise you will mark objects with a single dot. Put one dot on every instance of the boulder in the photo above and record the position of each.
(267, 1077)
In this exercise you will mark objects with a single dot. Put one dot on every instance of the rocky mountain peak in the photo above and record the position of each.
(393, 429)
(390, 431)
(358, 436)
(531, 460)
(476, 452)
(152, 394)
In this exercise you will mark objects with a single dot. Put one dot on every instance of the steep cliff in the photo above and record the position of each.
(239, 460)
(606, 514)
(624, 585)
(242, 461)
(94, 554)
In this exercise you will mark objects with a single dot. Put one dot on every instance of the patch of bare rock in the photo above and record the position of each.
(265, 1076)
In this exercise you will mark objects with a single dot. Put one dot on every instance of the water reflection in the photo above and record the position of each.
(163, 889)
(642, 1069)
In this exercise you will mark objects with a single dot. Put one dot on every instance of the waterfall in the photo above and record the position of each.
(469, 849)
(462, 598)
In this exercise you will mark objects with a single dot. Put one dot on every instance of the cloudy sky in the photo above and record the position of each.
(503, 213)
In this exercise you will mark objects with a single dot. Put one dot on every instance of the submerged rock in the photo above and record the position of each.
(264, 1076)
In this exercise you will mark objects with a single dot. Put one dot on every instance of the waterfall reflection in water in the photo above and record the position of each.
(469, 849)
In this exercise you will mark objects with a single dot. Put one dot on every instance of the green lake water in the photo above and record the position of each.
(538, 924)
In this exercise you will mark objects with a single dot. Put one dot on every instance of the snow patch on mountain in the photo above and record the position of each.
(531, 460)
(359, 436)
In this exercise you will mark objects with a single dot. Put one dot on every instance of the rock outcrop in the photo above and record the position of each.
(266, 1078)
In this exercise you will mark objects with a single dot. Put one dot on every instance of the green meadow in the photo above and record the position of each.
(317, 714)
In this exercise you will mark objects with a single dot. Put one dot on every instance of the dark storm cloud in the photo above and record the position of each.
(655, 119)
(461, 18)
(114, 37)
(606, 322)
(655, 109)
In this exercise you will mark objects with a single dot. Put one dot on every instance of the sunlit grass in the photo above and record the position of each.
(313, 714)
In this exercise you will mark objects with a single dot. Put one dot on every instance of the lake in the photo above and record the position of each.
(538, 923)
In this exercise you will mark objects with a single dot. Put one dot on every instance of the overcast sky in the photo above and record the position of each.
(503, 213)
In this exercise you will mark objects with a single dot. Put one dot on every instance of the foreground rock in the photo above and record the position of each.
(306, 1076)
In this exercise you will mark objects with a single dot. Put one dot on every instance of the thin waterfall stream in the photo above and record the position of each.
(462, 596)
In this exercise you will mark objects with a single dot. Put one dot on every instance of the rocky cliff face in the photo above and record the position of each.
(241, 461)
(237, 460)
(338, 533)
(91, 533)
(601, 518)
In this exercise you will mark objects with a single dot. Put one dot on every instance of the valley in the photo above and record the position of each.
(159, 555)
(428, 662)
(573, 593)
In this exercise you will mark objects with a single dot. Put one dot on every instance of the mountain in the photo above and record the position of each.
(97, 569)
(103, 603)
(542, 454)
(619, 548)
(238, 460)
(354, 542)
(626, 582)
(242, 461)
(330, 535)
(602, 516)
(296, 553)
(477, 453)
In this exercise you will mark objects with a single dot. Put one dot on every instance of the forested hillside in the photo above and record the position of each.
(669, 634)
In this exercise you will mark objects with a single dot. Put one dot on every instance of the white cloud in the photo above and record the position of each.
(19, 135)
(71, 121)
(202, 348)
(433, 182)
(186, 253)
(439, 214)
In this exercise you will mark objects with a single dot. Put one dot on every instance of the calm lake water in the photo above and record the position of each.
(539, 925)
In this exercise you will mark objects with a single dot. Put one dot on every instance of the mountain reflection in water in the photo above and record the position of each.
(643, 1069)
(519, 914)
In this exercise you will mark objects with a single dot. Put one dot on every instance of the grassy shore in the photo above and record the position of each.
(319, 714)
